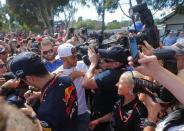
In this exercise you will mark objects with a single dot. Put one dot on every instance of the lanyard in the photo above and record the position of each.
(122, 113)
(47, 86)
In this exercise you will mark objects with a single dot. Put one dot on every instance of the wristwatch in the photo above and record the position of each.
(149, 123)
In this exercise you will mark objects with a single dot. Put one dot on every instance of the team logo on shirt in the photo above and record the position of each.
(68, 92)
(45, 126)
(70, 99)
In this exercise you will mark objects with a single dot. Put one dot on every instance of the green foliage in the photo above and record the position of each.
(35, 13)
(89, 24)
(117, 25)
(3, 18)
(108, 5)
(178, 5)
(68, 11)
(113, 25)
(93, 24)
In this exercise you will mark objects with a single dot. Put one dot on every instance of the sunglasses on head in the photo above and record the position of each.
(49, 51)
(2, 65)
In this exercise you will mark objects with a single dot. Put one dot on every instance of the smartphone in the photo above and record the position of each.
(134, 50)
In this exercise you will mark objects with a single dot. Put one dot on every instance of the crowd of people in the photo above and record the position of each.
(80, 82)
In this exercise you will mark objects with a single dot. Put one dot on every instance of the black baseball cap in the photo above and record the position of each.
(117, 53)
(26, 63)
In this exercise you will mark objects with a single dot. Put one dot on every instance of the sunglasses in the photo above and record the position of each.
(2, 65)
(49, 51)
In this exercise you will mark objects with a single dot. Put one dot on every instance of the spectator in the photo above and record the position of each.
(130, 113)
(178, 48)
(113, 62)
(48, 54)
(3, 70)
(13, 44)
(35, 47)
(170, 39)
(172, 122)
(74, 41)
(3, 54)
(181, 36)
(151, 67)
(70, 34)
(58, 102)
(82, 35)
(75, 69)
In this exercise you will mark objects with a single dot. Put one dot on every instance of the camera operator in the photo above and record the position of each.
(113, 61)
(174, 121)
(178, 48)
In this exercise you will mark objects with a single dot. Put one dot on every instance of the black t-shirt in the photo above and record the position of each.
(130, 117)
(58, 107)
(106, 93)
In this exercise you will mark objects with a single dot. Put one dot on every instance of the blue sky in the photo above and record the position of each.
(90, 12)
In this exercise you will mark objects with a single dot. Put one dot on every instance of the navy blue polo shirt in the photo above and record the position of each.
(58, 107)
(106, 94)
(53, 66)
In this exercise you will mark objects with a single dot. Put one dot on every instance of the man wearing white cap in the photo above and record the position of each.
(77, 70)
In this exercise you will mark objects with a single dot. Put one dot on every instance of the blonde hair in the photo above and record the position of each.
(128, 76)
(12, 119)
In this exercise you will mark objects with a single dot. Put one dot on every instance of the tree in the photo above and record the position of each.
(102, 6)
(114, 25)
(3, 19)
(178, 5)
(35, 12)
(89, 24)
(68, 12)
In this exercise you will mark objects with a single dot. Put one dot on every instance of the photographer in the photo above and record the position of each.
(113, 62)
(150, 66)
(178, 48)
(172, 121)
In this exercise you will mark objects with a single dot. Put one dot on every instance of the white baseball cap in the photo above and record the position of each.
(65, 50)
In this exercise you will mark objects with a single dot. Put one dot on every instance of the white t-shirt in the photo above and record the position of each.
(82, 106)
(175, 128)
(161, 125)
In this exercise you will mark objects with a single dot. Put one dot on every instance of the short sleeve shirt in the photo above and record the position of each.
(130, 117)
(58, 107)
(53, 66)
(106, 93)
